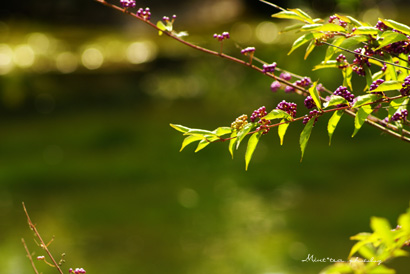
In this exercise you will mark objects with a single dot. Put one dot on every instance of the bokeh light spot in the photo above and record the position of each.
(66, 62)
(267, 32)
(141, 52)
(92, 58)
(24, 56)
(6, 59)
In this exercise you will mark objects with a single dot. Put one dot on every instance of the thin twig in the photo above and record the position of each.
(42, 243)
(29, 256)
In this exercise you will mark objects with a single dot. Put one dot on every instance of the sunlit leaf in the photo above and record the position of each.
(326, 65)
(292, 27)
(303, 15)
(368, 75)
(232, 142)
(282, 131)
(347, 77)
(353, 41)
(382, 228)
(367, 251)
(201, 145)
(180, 128)
(360, 118)
(389, 37)
(335, 100)
(396, 25)
(366, 30)
(366, 99)
(310, 48)
(397, 104)
(195, 131)
(277, 114)
(243, 132)
(190, 139)
(323, 28)
(388, 85)
(355, 22)
(286, 14)
(250, 149)
(391, 72)
(380, 269)
(314, 93)
(333, 121)
(362, 236)
(301, 41)
(305, 135)
(161, 26)
(330, 51)
(220, 131)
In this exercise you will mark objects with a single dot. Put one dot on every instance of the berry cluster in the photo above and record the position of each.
(313, 113)
(269, 68)
(167, 20)
(223, 36)
(375, 84)
(144, 14)
(275, 86)
(285, 76)
(304, 82)
(405, 90)
(264, 126)
(247, 50)
(128, 3)
(76, 271)
(289, 89)
(240, 122)
(398, 47)
(341, 22)
(341, 61)
(400, 115)
(381, 26)
(290, 108)
(360, 61)
(259, 113)
(309, 103)
(343, 92)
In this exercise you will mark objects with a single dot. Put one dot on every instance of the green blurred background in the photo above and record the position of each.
(87, 95)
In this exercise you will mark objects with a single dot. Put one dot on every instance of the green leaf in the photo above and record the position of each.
(292, 27)
(232, 142)
(310, 48)
(355, 22)
(162, 27)
(397, 104)
(303, 15)
(353, 41)
(362, 236)
(282, 131)
(330, 51)
(366, 99)
(243, 132)
(250, 149)
(389, 37)
(347, 77)
(404, 222)
(201, 145)
(180, 128)
(190, 139)
(388, 85)
(301, 41)
(220, 131)
(396, 25)
(366, 30)
(335, 100)
(195, 131)
(369, 79)
(326, 65)
(391, 73)
(360, 118)
(287, 14)
(277, 114)
(382, 228)
(315, 95)
(367, 251)
(305, 135)
(333, 121)
(323, 28)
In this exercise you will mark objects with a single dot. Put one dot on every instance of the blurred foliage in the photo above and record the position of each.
(122, 201)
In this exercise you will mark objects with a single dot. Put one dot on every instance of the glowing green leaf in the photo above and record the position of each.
(243, 132)
(282, 131)
(232, 142)
(333, 121)
(305, 135)
(277, 114)
(250, 149)
(366, 99)
(315, 95)
(190, 139)
(366, 30)
(360, 118)
(388, 85)
(389, 37)
(180, 128)
(396, 25)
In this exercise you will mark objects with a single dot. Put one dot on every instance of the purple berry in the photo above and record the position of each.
(269, 68)
(343, 92)
(285, 76)
(290, 108)
(275, 86)
(307, 118)
(309, 103)
(260, 112)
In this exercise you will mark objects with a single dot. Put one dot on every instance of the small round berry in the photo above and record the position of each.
(275, 86)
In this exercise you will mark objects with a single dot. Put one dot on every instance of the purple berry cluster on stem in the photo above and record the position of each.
(313, 113)
(128, 3)
(375, 85)
(380, 26)
(77, 271)
(400, 115)
(290, 108)
(259, 113)
(304, 82)
(289, 89)
(309, 103)
(405, 90)
(341, 61)
(166, 19)
(336, 18)
(285, 76)
(264, 126)
(248, 50)
(269, 68)
(275, 86)
(360, 61)
(343, 92)
(223, 36)
(144, 13)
